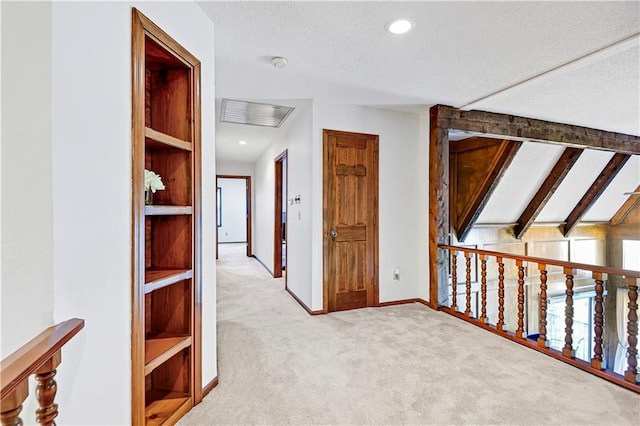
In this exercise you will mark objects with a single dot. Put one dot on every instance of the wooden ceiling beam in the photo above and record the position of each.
(610, 171)
(625, 209)
(528, 129)
(496, 170)
(470, 144)
(546, 190)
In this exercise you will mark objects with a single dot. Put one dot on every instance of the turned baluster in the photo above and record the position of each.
(46, 391)
(598, 320)
(520, 330)
(542, 338)
(500, 324)
(631, 375)
(483, 287)
(467, 256)
(454, 280)
(567, 350)
(12, 405)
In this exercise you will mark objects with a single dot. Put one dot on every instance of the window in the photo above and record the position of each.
(631, 254)
(583, 306)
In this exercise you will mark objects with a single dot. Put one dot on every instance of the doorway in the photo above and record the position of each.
(233, 211)
(350, 221)
(280, 217)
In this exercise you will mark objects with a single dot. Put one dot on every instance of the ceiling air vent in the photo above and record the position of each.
(253, 113)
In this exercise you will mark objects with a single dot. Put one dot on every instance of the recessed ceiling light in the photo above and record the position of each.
(399, 26)
(242, 142)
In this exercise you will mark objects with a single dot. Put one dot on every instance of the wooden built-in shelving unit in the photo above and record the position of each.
(166, 294)
(167, 210)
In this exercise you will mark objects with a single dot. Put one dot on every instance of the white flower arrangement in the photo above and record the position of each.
(152, 181)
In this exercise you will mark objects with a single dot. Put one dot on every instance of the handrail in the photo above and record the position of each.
(540, 260)
(29, 358)
(600, 274)
(40, 356)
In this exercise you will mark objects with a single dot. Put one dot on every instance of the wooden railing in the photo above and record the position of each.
(598, 274)
(40, 356)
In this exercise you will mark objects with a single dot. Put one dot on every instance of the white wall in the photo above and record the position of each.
(299, 181)
(234, 168)
(26, 251)
(27, 203)
(423, 206)
(402, 210)
(298, 141)
(234, 208)
(264, 184)
(91, 69)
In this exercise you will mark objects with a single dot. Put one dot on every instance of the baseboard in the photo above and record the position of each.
(397, 302)
(262, 263)
(405, 301)
(209, 386)
(306, 308)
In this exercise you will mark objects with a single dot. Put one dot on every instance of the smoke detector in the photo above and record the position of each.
(279, 61)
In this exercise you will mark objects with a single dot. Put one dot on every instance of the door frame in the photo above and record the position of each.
(326, 226)
(277, 217)
(248, 213)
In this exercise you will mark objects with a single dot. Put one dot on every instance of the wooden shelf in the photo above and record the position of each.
(166, 407)
(158, 140)
(162, 347)
(158, 278)
(159, 210)
(166, 246)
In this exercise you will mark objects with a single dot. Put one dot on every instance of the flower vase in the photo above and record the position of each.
(148, 197)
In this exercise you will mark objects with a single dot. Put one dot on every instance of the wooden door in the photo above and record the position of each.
(350, 220)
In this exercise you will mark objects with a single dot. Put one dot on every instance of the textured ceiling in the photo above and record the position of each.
(570, 62)
(457, 53)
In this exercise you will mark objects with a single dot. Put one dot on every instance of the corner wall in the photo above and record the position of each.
(298, 141)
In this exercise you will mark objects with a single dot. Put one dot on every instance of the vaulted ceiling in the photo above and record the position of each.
(568, 62)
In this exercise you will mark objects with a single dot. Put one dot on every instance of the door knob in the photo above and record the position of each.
(333, 234)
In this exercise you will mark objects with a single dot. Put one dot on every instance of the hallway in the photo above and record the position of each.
(403, 364)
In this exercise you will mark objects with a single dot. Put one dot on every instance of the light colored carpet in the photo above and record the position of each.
(402, 364)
